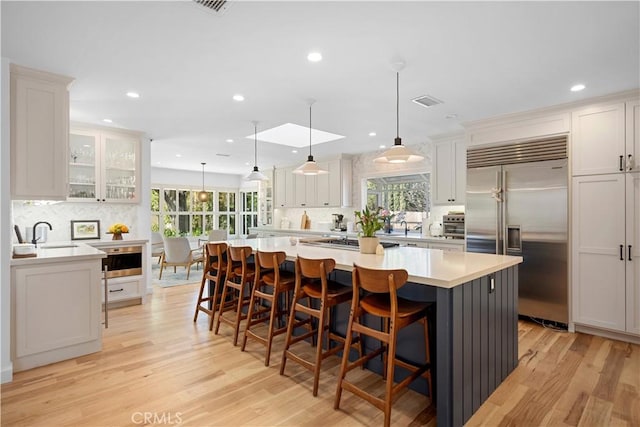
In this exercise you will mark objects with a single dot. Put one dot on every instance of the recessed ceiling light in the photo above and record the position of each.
(158, 163)
(383, 146)
(133, 94)
(238, 97)
(450, 116)
(294, 151)
(372, 134)
(87, 146)
(247, 163)
(577, 88)
(107, 120)
(178, 155)
(314, 57)
(229, 140)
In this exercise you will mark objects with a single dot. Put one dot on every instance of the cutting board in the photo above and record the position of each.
(305, 222)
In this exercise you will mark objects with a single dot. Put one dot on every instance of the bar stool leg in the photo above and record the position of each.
(272, 319)
(249, 316)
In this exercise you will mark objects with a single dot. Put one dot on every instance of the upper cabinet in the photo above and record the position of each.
(449, 172)
(633, 135)
(598, 140)
(39, 134)
(330, 190)
(104, 165)
(283, 190)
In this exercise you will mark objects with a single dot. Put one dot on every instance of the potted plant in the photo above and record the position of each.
(369, 221)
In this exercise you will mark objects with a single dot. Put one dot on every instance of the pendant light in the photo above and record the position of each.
(310, 167)
(203, 196)
(255, 175)
(398, 153)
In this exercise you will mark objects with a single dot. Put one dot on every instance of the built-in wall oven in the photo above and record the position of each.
(123, 261)
(453, 226)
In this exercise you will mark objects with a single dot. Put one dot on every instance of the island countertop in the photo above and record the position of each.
(425, 266)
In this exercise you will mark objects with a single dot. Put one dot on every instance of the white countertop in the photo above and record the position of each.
(54, 252)
(426, 266)
(64, 251)
(412, 236)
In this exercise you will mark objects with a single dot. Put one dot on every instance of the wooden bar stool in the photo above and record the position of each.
(239, 276)
(268, 286)
(312, 284)
(215, 272)
(397, 313)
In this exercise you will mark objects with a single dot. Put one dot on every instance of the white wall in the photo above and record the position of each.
(6, 373)
(192, 178)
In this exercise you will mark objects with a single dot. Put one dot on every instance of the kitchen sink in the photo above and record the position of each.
(69, 245)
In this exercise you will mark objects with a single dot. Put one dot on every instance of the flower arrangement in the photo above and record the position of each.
(118, 228)
(369, 221)
(386, 215)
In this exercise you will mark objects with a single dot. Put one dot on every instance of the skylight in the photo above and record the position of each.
(295, 136)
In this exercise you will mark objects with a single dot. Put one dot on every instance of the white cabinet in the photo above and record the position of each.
(330, 190)
(104, 165)
(598, 140)
(449, 172)
(283, 188)
(605, 272)
(633, 136)
(632, 188)
(39, 134)
(57, 312)
(305, 190)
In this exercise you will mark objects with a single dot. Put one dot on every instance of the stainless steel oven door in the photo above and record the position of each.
(123, 261)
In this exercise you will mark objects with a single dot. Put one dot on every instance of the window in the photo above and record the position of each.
(178, 212)
(249, 212)
(408, 196)
(227, 212)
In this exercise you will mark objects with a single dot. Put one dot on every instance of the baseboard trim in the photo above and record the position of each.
(619, 336)
(6, 376)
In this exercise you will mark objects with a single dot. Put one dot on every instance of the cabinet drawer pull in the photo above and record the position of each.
(116, 290)
(629, 252)
(621, 255)
(630, 162)
(621, 158)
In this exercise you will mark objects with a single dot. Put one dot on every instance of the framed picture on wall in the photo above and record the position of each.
(85, 230)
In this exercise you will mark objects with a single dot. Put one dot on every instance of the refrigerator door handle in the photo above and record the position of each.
(503, 215)
(496, 194)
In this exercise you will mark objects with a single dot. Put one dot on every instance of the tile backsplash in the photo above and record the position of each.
(59, 215)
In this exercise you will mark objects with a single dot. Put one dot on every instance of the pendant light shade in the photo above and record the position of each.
(203, 196)
(255, 174)
(398, 153)
(310, 167)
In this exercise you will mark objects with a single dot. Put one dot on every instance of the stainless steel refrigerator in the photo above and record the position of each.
(516, 206)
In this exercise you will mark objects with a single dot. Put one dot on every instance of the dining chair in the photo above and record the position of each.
(157, 246)
(178, 253)
(214, 236)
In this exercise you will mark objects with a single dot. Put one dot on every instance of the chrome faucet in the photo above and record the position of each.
(34, 239)
(406, 230)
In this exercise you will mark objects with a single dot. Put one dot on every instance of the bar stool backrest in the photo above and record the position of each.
(269, 261)
(379, 281)
(217, 250)
(238, 254)
(315, 268)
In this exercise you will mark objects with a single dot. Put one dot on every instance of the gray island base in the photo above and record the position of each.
(473, 320)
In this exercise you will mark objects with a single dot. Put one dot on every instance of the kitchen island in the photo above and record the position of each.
(475, 336)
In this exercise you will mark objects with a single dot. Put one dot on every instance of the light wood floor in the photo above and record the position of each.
(157, 363)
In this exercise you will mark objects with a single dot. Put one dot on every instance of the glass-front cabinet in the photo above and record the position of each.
(103, 166)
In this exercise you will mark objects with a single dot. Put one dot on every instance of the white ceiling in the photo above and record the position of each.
(482, 59)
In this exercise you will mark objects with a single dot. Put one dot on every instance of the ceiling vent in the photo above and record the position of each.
(223, 155)
(218, 7)
(426, 101)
